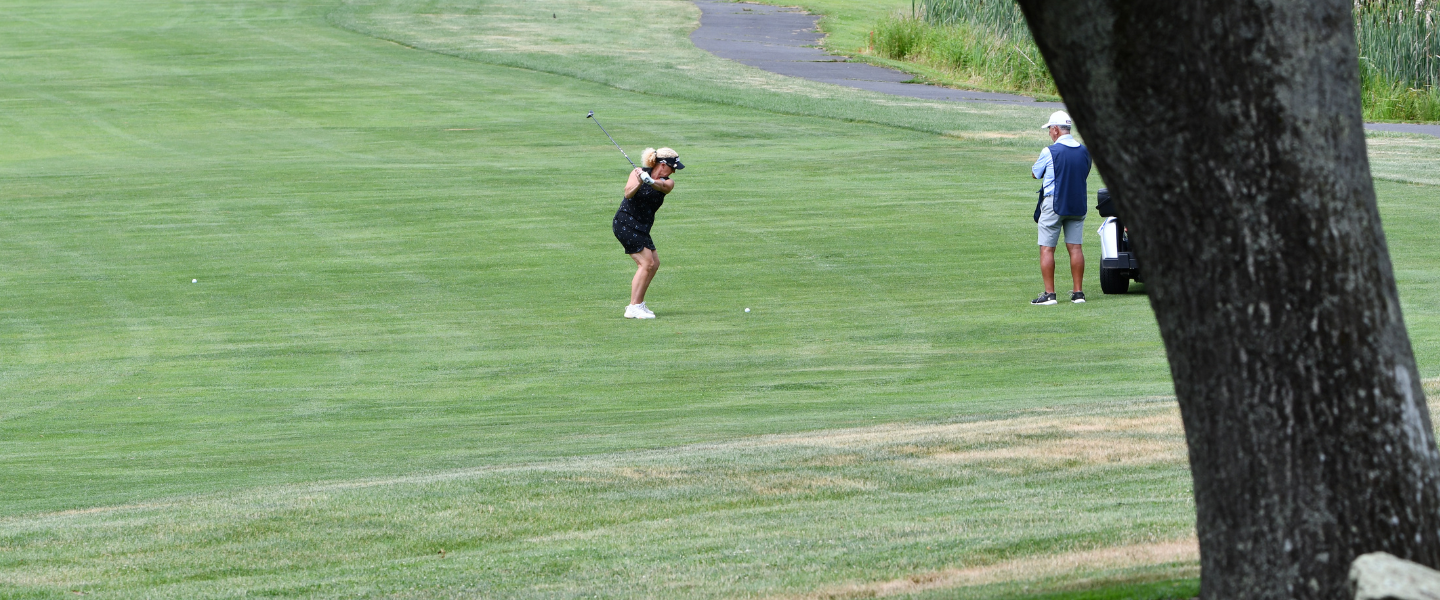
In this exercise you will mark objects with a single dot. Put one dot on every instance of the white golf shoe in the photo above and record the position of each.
(638, 311)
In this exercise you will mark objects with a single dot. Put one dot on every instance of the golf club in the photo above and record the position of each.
(612, 140)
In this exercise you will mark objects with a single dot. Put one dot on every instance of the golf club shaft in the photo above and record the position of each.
(612, 140)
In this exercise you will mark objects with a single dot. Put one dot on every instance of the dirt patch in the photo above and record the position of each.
(786, 484)
(834, 460)
(1075, 450)
(1140, 440)
(637, 473)
(989, 135)
(96, 510)
(1038, 567)
(1161, 424)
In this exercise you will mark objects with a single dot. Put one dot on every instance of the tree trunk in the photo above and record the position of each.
(1230, 135)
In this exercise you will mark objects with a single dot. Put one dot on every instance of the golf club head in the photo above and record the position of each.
(592, 113)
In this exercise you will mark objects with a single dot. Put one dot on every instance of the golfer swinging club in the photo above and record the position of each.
(1063, 169)
(644, 193)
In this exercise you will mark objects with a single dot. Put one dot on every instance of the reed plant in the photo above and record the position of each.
(1001, 17)
(985, 43)
(1399, 59)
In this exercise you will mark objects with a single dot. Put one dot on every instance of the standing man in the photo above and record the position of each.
(1063, 168)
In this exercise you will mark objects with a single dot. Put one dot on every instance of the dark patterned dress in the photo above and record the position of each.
(636, 215)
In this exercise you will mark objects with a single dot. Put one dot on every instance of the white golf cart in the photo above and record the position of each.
(1117, 262)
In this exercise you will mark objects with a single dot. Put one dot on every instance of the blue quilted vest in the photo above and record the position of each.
(1072, 168)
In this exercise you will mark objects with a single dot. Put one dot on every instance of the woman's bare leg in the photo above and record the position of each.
(646, 262)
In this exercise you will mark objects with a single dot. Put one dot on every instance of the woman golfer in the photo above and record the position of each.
(644, 193)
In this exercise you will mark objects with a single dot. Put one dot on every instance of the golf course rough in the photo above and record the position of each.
(405, 373)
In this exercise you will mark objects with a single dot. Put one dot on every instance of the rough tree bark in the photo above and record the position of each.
(1230, 134)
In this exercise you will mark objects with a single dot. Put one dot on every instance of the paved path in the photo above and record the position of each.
(1405, 127)
(784, 40)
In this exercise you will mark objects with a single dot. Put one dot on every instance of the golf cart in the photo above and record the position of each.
(1117, 262)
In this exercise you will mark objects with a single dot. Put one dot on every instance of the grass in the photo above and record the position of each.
(748, 517)
(1385, 100)
(577, 39)
(405, 338)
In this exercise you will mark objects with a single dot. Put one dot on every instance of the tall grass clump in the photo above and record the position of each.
(1399, 59)
(901, 38)
(981, 43)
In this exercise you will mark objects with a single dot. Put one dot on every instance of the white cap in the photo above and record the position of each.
(1060, 118)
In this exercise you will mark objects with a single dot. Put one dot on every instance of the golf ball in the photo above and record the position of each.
(747, 310)
(194, 281)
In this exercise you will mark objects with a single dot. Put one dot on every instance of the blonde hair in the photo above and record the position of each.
(647, 159)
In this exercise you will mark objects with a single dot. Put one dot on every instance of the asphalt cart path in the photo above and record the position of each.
(786, 41)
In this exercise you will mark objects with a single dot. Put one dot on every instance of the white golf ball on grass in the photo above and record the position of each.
(747, 310)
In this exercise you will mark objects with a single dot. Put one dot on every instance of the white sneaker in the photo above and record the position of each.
(646, 309)
(638, 311)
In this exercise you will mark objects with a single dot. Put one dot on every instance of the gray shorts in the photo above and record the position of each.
(1051, 224)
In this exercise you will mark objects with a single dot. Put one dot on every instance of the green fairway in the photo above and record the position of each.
(405, 329)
